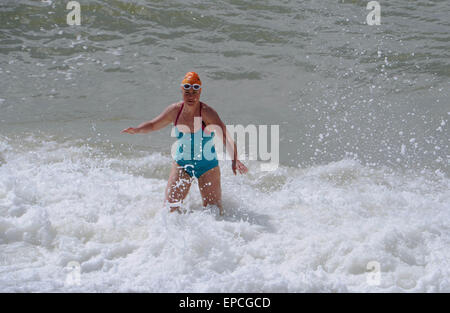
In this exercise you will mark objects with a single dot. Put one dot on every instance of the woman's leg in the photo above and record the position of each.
(210, 189)
(177, 187)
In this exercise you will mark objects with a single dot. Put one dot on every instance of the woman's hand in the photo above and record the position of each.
(131, 130)
(236, 164)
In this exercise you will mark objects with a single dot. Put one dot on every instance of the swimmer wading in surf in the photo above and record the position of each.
(195, 152)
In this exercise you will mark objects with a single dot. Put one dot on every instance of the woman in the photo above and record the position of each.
(193, 158)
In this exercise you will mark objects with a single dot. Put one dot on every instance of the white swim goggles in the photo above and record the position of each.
(189, 86)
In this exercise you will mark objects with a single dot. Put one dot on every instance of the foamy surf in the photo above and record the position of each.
(80, 217)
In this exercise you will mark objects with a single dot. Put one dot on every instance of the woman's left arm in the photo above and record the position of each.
(212, 118)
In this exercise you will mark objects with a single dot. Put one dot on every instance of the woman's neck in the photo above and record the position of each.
(191, 110)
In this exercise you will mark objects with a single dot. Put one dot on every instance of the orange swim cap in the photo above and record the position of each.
(191, 78)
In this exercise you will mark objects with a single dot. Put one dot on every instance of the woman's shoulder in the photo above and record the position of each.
(171, 111)
(176, 105)
(209, 114)
(174, 108)
(207, 108)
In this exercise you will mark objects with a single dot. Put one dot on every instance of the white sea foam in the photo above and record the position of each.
(290, 230)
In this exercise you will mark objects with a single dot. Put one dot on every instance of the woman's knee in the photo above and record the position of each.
(177, 191)
(211, 199)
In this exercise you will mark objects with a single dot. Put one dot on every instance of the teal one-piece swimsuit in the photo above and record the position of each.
(195, 152)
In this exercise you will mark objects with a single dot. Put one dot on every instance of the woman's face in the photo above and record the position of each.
(191, 96)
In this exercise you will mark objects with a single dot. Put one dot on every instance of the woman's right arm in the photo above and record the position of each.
(161, 121)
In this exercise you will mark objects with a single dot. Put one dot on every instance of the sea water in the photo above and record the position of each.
(359, 201)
